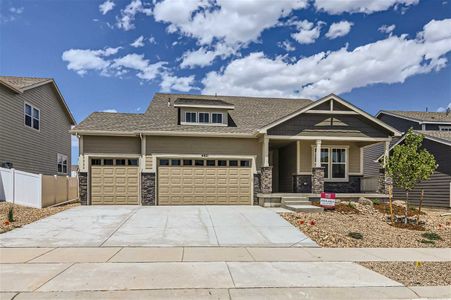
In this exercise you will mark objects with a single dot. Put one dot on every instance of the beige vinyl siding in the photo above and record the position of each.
(28, 149)
(287, 167)
(204, 145)
(149, 162)
(306, 155)
(111, 144)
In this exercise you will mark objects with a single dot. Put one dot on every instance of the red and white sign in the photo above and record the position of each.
(327, 200)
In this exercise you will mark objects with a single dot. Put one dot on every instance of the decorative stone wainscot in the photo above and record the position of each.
(266, 180)
(351, 186)
(147, 188)
(83, 187)
(257, 189)
(318, 180)
(302, 183)
(384, 182)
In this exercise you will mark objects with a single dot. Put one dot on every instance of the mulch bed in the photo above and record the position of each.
(364, 226)
(413, 273)
(24, 215)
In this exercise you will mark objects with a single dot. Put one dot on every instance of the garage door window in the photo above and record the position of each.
(132, 162)
(164, 162)
(96, 162)
(211, 163)
(120, 162)
(245, 163)
(233, 163)
(222, 163)
(175, 162)
(187, 162)
(199, 163)
(107, 162)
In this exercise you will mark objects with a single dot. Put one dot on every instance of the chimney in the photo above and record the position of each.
(427, 109)
(448, 110)
(169, 102)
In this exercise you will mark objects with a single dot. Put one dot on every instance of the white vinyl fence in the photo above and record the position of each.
(36, 190)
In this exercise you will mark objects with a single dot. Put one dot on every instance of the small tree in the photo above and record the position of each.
(408, 164)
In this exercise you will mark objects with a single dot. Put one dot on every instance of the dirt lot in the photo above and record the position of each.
(25, 215)
(367, 225)
(411, 273)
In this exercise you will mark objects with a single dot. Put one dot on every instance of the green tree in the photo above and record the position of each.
(409, 163)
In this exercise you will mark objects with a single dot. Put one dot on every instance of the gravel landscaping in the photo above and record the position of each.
(24, 215)
(361, 226)
(411, 273)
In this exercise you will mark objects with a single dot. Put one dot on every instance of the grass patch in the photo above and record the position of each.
(356, 235)
(432, 236)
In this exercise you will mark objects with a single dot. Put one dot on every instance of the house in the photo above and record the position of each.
(201, 149)
(436, 129)
(34, 126)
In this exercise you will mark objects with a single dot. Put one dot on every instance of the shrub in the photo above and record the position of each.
(11, 214)
(356, 235)
(431, 236)
(376, 201)
(350, 204)
(427, 242)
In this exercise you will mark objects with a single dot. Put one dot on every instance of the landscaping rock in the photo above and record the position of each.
(365, 201)
(399, 203)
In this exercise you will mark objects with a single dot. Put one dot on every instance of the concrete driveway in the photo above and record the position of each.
(107, 226)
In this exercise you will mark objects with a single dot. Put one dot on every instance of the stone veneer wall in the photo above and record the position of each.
(256, 187)
(302, 183)
(352, 186)
(317, 180)
(384, 182)
(83, 187)
(266, 180)
(148, 189)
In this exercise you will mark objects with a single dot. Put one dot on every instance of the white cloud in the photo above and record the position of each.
(74, 141)
(152, 40)
(16, 10)
(387, 28)
(443, 109)
(11, 14)
(232, 22)
(182, 84)
(110, 110)
(139, 42)
(337, 7)
(128, 14)
(83, 60)
(339, 71)
(203, 57)
(339, 29)
(286, 45)
(307, 32)
(106, 6)
(146, 70)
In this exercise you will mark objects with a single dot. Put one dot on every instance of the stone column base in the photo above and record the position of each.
(384, 182)
(148, 189)
(266, 180)
(83, 187)
(317, 180)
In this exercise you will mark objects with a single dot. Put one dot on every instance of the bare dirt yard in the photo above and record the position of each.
(414, 273)
(25, 215)
(364, 225)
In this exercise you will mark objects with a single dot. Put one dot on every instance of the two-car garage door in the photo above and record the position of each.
(204, 181)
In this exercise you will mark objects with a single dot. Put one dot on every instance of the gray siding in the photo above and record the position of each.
(28, 149)
(401, 124)
(329, 125)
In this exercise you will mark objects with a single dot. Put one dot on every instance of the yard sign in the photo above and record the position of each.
(327, 200)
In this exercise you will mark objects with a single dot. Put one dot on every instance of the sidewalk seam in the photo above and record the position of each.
(53, 277)
(53, 249)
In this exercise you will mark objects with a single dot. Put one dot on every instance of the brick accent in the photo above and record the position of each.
(148, 189)
(351, 186)
(256, 187)
(302, 183)
(384, 182)
(317, 180)
(266, 180)
(83, 187)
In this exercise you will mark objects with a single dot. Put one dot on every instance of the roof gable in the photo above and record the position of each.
(419, 116)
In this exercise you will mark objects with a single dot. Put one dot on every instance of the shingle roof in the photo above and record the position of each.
(444, 136)
(250, 114)
(422, 116)
(23, 83)
(210, 102)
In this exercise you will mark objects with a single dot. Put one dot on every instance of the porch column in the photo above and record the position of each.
(318, 171)
(266, 169)
(385, 180)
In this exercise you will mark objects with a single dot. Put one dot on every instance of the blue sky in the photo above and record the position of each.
(114, 55)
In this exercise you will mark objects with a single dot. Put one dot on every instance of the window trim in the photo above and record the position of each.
(444, 128)
(217, 113)
(64, 158)
(210, 118)
(203, 113)
(191, 112)
(32, 117)
(330, 163)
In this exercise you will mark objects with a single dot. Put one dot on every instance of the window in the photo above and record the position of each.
(61, 160)
(198, 162)
(32, 116)
(216, 118)
(132, 162)
(211, 163)
(120, 162)
(164, 162)
(190, 117)
(187, 162)
(334, 162)
(96, 162)
(107, 162)
(175, 162)
(233, 163)
(244, 163)
(204, 117)
(444, 128)
(222, 163)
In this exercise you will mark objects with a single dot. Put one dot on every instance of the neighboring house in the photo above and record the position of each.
(192, 149)
(34, 126)
(436, 129)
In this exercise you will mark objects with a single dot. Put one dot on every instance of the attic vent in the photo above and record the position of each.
(169, 102)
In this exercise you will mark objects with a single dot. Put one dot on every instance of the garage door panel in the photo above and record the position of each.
(204, 185)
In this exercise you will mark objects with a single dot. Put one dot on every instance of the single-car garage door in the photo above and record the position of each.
(204, 181)
(114, 181)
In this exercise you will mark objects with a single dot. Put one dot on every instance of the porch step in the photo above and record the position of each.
(296, 202)
(303, 208)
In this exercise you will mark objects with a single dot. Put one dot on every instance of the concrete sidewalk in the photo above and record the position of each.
(218, 254)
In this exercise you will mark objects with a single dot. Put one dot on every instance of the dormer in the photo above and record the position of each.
(207, 112)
